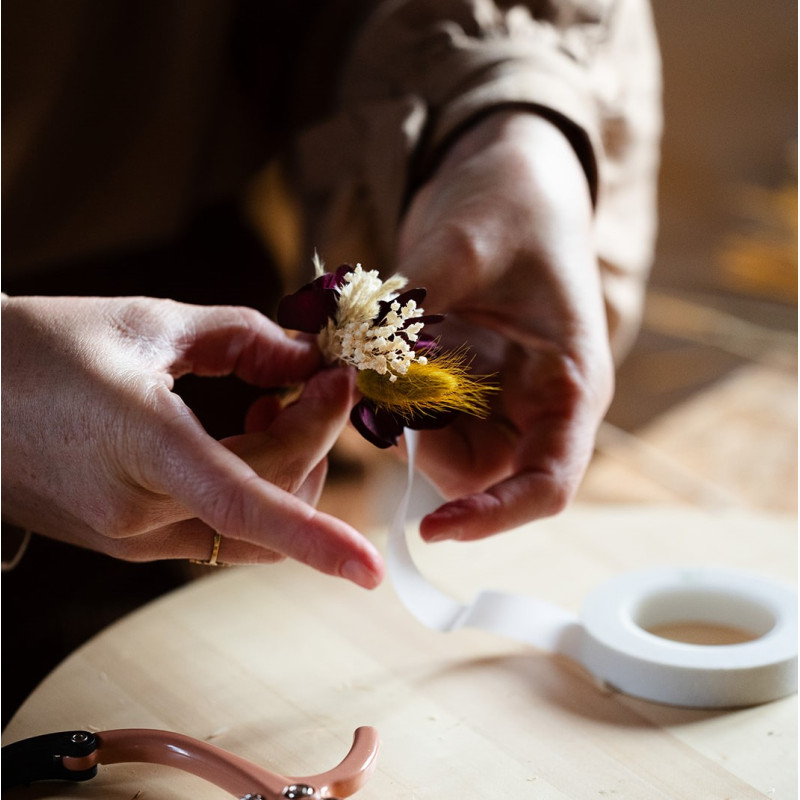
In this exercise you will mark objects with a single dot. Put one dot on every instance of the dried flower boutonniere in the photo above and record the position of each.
(407, 380)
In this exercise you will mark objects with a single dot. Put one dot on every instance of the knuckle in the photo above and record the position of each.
(567, 384)
(290, 474)
(465, 249)
(287, 471)
(560, 496)
(244, 325)
(249, 318)
(139, 320)
(565, 388)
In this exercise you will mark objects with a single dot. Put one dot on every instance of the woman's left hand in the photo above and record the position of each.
(501, 236)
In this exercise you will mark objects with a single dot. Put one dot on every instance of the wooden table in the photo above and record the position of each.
(280, 665)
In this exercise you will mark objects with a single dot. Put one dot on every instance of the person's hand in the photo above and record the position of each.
(501, 236)
(98, 451)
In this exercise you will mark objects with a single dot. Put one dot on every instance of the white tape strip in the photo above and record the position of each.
(610, 637)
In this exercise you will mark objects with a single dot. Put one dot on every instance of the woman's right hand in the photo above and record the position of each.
(100, 452)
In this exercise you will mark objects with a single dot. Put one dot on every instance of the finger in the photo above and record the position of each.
(523, 498)
(189, 539)
(551, 465)
(262, 413)
(227, 494)
(311, 490)
(304, 437)
(223, 340)
(301, 436)
(468, 456)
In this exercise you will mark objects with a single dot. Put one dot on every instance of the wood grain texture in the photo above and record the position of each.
(280, 665)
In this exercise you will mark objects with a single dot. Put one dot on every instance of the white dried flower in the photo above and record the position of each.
(357, 337)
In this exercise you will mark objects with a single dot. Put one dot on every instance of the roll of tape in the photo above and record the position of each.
(618, 647)
(614, 636)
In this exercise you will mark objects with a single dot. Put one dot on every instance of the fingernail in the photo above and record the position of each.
(439, 537)
(445, 524)
(359, 574)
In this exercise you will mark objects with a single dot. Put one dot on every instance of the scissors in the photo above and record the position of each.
(75, 756)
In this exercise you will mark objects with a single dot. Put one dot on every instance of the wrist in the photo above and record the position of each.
(521, 127)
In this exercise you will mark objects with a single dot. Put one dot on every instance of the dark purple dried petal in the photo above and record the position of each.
(422, 344)
(333, 280)
(312, 305)
(426, 344)
(383, 428)
(417, 295)
(376, 425)
(308, 309)
(428, 319)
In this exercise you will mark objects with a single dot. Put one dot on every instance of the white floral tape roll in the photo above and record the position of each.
(612, 637)
(617, 646)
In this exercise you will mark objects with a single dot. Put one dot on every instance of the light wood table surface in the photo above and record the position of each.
(280, 665)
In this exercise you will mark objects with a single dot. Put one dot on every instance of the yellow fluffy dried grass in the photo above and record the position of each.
(442, 384)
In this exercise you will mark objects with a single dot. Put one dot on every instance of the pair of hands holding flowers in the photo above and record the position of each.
(101, 453)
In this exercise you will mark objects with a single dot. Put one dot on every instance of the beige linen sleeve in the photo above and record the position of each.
(419, 71)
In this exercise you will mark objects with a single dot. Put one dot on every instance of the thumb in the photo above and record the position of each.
(215, 485)
(301, 435)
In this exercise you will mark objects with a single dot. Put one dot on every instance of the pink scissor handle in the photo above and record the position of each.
(353, 771)
(231, 772)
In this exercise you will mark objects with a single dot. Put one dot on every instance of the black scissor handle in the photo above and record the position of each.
(40, 758)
